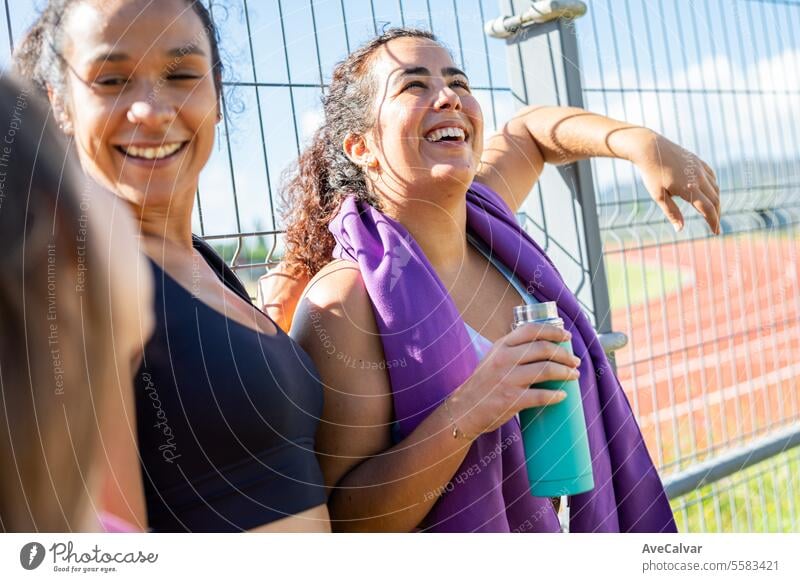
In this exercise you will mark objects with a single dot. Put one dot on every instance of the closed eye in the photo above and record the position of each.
(112, 81)
(412, 84)
(459, 83)
(183, 77)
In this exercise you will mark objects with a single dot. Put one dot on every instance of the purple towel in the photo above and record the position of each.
(420, 325)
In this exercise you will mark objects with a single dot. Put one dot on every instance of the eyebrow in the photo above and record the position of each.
(183, 51)
(189, 49)
(447, 71)
(110, 58)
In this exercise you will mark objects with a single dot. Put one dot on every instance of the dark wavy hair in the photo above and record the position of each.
(324, 176)
(39, 56)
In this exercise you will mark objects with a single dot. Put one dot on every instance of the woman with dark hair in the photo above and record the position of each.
(227, 404)
(74, 325)
(409, 327)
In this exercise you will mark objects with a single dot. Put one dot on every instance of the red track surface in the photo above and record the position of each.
(718, 359)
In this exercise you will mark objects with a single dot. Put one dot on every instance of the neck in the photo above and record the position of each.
(170, 225)
(438, 226)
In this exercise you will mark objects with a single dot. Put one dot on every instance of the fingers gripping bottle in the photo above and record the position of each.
(554, 436)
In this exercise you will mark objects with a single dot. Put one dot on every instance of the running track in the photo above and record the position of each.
(717, 361)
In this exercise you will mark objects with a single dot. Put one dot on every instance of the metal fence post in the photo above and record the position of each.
(544, 69)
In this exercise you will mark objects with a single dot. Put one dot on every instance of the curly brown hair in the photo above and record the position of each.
(324, 176)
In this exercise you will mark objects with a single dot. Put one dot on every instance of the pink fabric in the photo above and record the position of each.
(110, 523)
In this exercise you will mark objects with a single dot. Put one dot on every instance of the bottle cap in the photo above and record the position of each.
(536, 313)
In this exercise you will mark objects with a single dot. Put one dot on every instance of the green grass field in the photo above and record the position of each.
(633, 283)
(769, 493)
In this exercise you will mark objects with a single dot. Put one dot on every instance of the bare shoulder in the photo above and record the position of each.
(339, 291)
(335, 322)
(338, 273)
(336, 325)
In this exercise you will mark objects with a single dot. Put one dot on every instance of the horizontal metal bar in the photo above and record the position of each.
(792, 3)
(696, 217)
(690, 90)
(741, 191)
(255, 266)
(294, 85)
(741, 437)
(686, 236)
(243, 234)
(731, 462)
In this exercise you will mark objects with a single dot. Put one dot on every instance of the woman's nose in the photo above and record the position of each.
(448, 99)
(152, 114)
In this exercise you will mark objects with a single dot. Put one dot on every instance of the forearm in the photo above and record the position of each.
(568, 134)
(395, 490)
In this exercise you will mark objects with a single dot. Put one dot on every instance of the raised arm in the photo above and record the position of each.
(376, 486)
(513, 159)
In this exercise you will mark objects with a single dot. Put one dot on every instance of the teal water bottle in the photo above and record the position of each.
(554, 436)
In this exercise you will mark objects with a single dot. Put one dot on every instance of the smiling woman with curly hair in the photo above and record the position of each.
(405, 220)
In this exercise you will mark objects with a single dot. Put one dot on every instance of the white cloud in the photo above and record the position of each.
(310, 121)
(735, 112)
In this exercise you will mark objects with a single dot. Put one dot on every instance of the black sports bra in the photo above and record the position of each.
(226, 417)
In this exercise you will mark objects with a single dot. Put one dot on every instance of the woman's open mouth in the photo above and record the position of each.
(152, 153)
(447, 134)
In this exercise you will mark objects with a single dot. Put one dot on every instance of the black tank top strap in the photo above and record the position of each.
(223, 271)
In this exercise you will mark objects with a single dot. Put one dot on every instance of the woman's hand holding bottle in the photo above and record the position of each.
(501, 385)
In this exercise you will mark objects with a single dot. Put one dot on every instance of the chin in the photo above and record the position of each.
(154, 197)
(451, 176)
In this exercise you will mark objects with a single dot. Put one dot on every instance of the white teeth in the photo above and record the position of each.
(152, 153)
(442, 132)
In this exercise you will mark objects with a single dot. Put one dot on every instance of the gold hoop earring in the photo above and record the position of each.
(371, 169)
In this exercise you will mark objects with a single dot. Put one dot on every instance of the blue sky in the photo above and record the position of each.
(720, 76)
